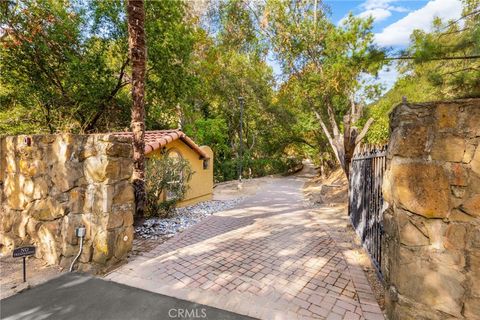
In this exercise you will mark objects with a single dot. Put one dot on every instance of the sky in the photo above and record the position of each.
(394, 21)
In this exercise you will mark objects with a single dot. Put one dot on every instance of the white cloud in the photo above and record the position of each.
(379, 10)
(382, 4)
(377, 14)
(398, 33)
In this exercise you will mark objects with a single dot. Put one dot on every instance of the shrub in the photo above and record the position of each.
(166, 183)
(253, 168)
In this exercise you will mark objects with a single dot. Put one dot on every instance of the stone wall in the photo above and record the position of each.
(431, 259)
(52, 184)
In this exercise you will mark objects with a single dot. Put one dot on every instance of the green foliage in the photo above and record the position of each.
(64, 65)
(326, 68)
(229, 65)
(257, 167)
(415, 89)
(170, 39)
(433, 51)
(65, 68)
(166, 183)
(431, 75)
(52, 69)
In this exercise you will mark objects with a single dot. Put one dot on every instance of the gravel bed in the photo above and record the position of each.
(182, 218)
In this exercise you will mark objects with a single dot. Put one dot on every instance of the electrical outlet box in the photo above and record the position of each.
(80, 232)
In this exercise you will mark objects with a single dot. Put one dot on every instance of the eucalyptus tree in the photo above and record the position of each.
(330, 62)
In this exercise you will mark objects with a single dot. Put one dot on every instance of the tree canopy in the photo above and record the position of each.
(65, 68)
(438, 65)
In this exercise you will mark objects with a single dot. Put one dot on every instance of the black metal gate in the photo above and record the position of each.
(366, 199)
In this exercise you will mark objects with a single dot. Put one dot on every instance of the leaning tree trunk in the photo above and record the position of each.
(138, 53)
(344, 145)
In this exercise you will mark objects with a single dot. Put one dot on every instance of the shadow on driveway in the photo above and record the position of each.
(77, 296)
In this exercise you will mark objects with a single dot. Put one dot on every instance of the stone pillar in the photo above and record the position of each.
(52, 184)
(431, 258)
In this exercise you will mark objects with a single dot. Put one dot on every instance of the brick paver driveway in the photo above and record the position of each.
(269, 258)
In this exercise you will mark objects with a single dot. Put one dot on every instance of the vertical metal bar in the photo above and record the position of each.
(24, 269)
(373, 204)
(377, 209)
(370, 203)
(365, 195)
(372, 209)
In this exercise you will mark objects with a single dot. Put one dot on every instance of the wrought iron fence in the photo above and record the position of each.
(366, 199)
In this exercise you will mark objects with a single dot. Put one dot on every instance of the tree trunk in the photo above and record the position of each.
(138, 56)
(344, 145)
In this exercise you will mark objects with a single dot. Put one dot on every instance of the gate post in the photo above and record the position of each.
(432, 224)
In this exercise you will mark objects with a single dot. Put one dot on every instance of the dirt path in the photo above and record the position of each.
(272, 257)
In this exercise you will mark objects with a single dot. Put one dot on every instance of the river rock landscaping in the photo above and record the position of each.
(182, 218)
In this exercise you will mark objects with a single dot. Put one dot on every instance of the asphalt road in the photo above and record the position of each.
(76, 296)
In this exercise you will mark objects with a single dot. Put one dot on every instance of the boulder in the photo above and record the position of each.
(469, 153)
(7, 243)
(115, 220)
(448, 148)
(49, 245)
(124, 243)
(435, 286)
(409, 234)
(471, 119)
(76, 200)
(472, 308)
(116, 149)
(455, 236)
(102, 169)
(98, 198)
(409, 141)
(103, 246)
(472, 205)
(66, 176)
(422, 188)
(124, 193)
(41, 188)
(475, 163)
(69, 224)
(126, 169)
(474, 274)
(7, 219)
(46, 209)
(87, 252)
(458, 175)
(447, 116)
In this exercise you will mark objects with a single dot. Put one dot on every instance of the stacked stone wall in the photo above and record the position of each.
(431, 258)
(52, 184)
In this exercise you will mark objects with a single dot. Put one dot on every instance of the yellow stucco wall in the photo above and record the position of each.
(201, 183)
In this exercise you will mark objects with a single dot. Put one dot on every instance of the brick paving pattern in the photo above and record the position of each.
(269, 258)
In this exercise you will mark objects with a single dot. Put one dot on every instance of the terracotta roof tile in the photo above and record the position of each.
(157, 139)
